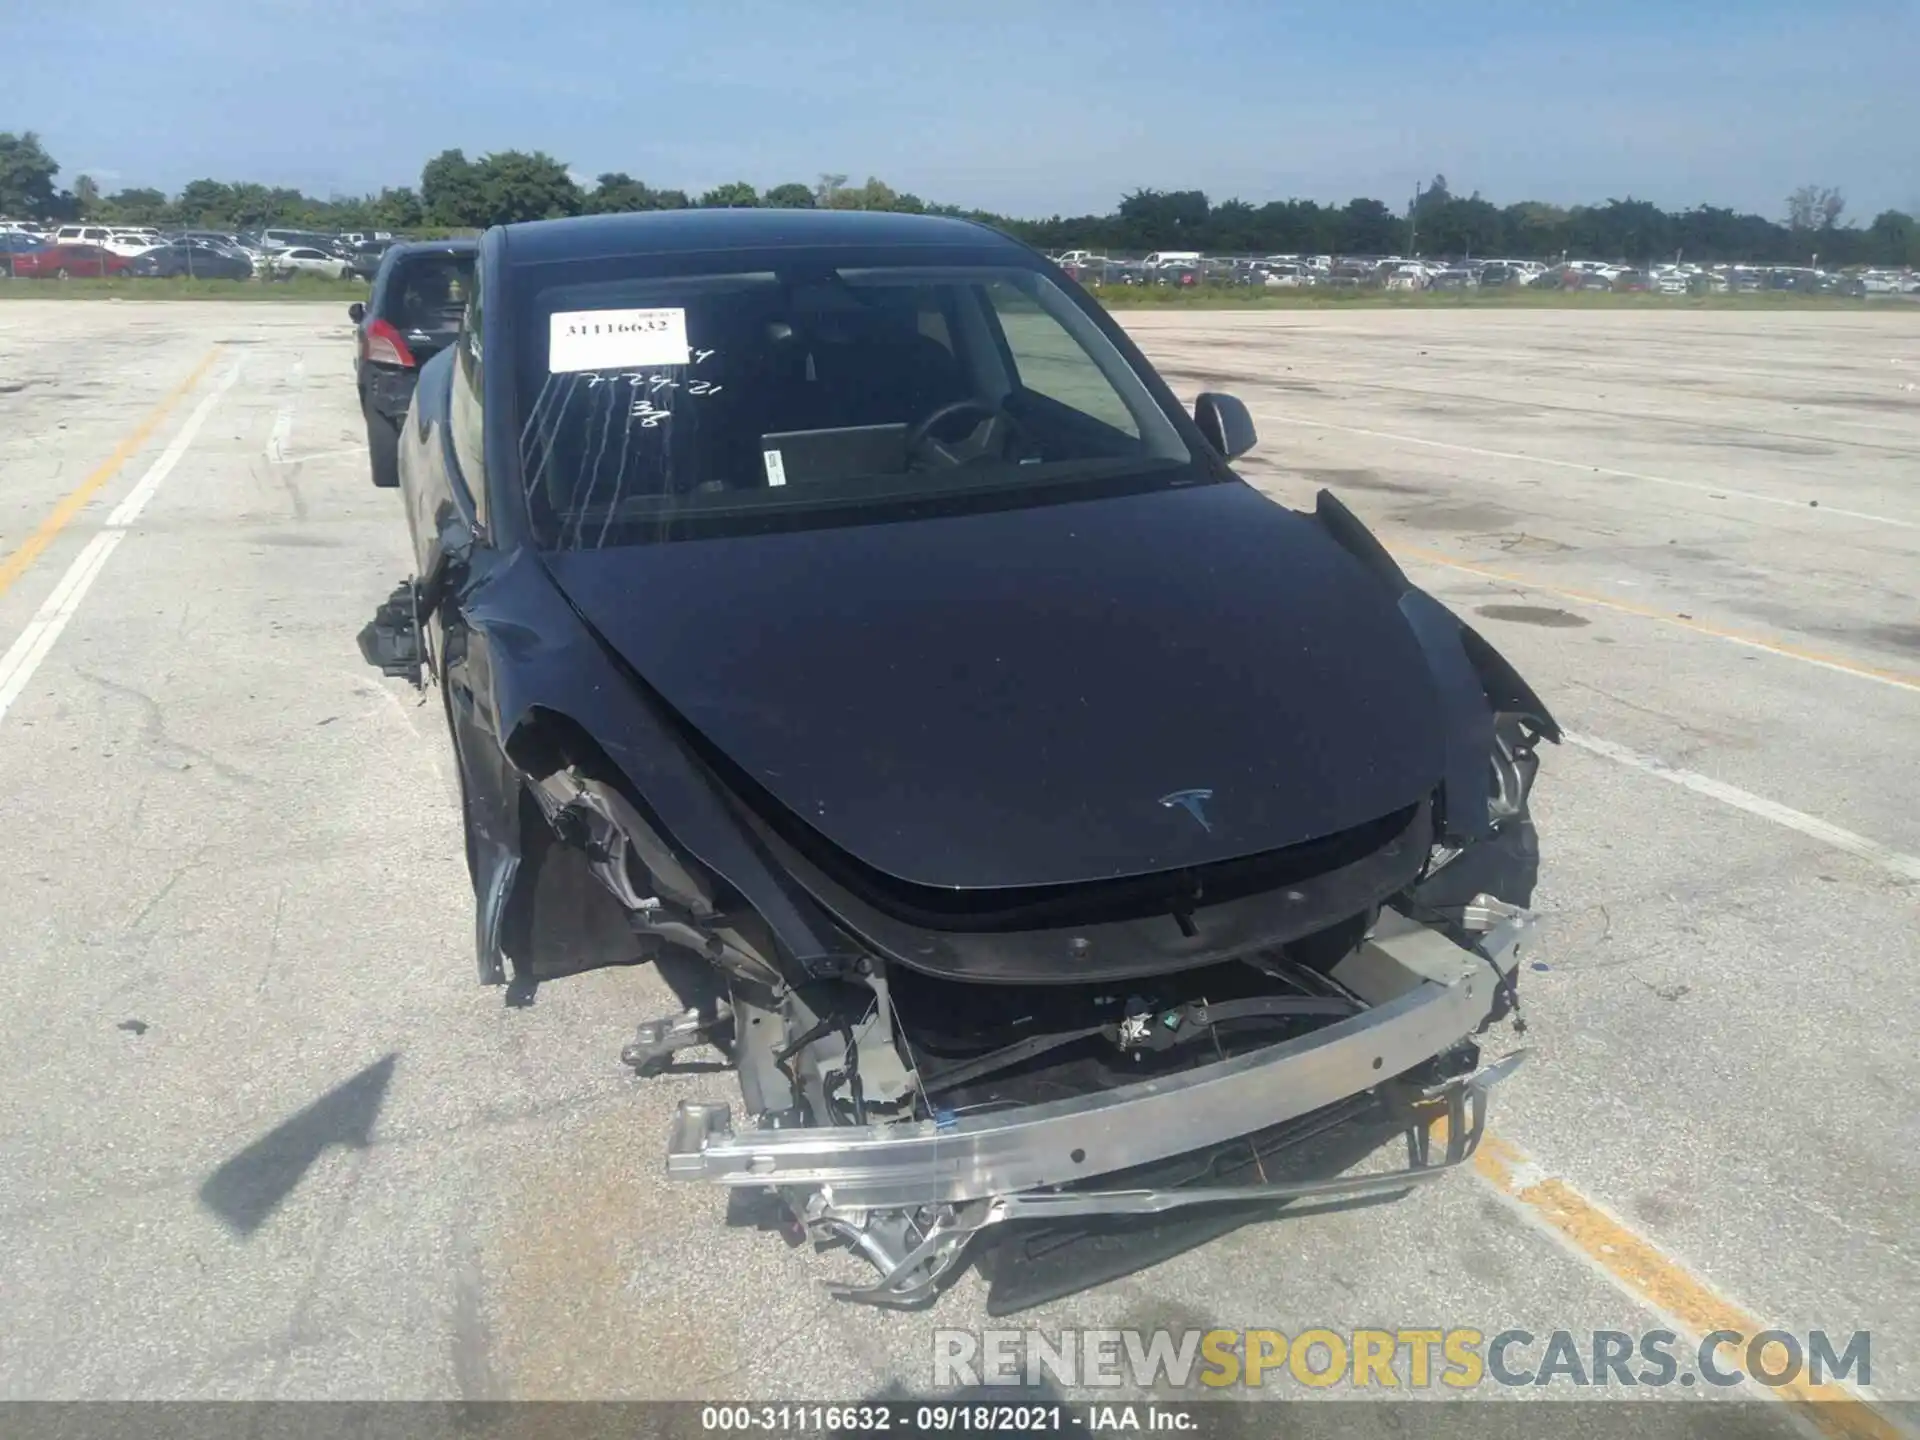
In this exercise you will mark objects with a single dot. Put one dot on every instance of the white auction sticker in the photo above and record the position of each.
(609, 339)
(776, 467)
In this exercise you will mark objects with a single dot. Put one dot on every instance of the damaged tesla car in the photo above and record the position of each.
(839, 610)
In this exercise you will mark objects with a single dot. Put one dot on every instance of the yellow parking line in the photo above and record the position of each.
(1699, 627)
(17, 564)
(1641, 1269)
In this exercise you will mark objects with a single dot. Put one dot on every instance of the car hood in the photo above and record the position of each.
(1038, 696)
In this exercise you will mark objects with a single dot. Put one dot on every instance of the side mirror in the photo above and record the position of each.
(1226, 424)
(356, 312)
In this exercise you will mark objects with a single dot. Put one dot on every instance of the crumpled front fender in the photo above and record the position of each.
(544, 660)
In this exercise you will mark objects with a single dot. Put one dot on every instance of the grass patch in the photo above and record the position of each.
(1233, 297)
(300, 287)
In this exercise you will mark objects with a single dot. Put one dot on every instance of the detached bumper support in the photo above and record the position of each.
(1425, 993)
(911, 1272)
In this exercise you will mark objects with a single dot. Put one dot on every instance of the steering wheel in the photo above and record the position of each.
(987, 441)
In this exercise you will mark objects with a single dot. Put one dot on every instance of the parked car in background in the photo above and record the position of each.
(1350, 275)
(284, 239)
(120, 239)
(224, 238)
(70, 261)
(1285, 274)
(82, 235)
(307, 260)
(365, 260)
(14, 243)
(196, 260)
(133, 239)
(1454, 277)
(1167, 259)
(1796, 278)
(1501, 276)
(419, 295)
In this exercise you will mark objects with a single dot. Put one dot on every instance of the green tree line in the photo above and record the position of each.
(458, 193)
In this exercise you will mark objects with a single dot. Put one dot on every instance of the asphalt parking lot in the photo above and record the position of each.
(235, 897)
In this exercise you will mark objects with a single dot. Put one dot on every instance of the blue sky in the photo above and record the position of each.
(1015, 106)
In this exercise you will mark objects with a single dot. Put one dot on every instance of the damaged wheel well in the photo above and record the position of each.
(545, 741)
(590, 805)
(599, 831)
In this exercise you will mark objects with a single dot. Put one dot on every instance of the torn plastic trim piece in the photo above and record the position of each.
(1506, 690)
(500, 869)
(1427, 994)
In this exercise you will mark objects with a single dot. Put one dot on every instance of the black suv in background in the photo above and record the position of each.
(419, 294)
(363, 261)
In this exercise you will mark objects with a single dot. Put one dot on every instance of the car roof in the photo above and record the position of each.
(403, 249)
(688, 231)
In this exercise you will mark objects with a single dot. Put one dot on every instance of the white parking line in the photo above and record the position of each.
(1907, 867)
(281, 433)
(1718, 491)
(319, 455)
(26, 653)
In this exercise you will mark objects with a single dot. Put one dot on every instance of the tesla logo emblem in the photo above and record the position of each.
(1191, 801)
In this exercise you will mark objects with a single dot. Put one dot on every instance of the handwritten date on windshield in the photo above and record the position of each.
(648, 384)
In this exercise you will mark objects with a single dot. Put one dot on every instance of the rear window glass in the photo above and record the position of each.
(429, 292)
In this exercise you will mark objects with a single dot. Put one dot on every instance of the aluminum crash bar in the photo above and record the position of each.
(1425, 994)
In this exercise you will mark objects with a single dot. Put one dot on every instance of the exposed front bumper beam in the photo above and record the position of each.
(1425, 995)
(913, 1252)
